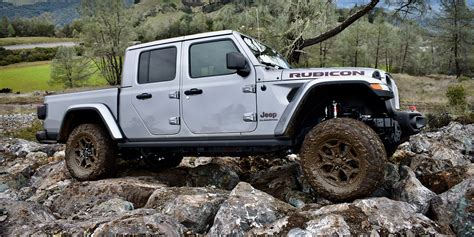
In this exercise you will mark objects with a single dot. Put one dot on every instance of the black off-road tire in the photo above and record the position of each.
(343, 159)
(96, 162)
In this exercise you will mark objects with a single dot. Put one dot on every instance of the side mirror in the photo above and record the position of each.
(237, 61)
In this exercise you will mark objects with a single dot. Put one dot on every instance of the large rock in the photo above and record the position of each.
(278, 181)
(19, 216)
(463, 219)
(195, 208)
(410, 190)
(21, 148)
(442, 181)
(375, 217)
(140, 222)
(247, 208)
(137, 224)
(431, 152)
(445, 205)
(391, 177)
(79, 198)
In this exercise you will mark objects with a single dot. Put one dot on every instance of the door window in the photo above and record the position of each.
(210, 58)
(157, 65)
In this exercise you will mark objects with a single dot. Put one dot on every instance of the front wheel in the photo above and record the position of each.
(90, 152)
(343, 159)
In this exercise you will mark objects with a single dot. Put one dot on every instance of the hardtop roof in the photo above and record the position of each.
(182, 38)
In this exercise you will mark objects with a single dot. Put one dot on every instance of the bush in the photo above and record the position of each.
(6, 90)
(439, 117)
(457, 97)
(26, 55)
(466, 118)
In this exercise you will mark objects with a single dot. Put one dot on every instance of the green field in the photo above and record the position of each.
(28, 77)
(33, 40)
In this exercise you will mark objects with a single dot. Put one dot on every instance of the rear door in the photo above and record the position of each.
(216, 99)
(153, 100)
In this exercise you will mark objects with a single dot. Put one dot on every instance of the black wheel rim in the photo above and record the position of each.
(85, 152)
(339, 163)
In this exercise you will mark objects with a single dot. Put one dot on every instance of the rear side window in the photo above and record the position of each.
(210, 58)
(157, 65)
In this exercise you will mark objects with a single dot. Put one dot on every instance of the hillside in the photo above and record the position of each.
(62, 11)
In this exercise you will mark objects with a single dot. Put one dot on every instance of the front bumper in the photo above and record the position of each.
(410, 122)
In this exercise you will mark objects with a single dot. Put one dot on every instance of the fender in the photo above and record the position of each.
(105, 114)
(292, 108)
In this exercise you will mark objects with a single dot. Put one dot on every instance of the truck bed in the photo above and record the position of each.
(58, 105)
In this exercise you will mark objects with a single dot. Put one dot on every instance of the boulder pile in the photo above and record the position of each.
(428, 190)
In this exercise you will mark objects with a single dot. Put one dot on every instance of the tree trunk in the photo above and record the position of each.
(377, 49)
(295, 52)
(456, 42)
(404, 57)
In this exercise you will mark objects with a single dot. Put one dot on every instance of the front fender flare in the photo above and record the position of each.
(292, 108)
(104, 112)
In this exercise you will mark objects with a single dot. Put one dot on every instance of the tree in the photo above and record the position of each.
(455, 28)
(10, 30)
(106, 32)
(4, 27)
(69, 69)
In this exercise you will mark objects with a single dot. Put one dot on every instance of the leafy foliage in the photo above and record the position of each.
(109, 32)
(457, 97)
(69, 69)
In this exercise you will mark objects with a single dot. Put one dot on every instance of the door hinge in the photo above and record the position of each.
(174, 95)
(249, 89)
(250, 117)
(174, 121)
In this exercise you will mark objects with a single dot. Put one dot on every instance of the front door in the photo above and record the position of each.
(216, 99)
(153, 101)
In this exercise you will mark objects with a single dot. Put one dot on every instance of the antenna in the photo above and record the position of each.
(258, 25)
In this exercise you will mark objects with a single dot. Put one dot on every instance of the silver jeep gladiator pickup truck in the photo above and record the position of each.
(224, 93)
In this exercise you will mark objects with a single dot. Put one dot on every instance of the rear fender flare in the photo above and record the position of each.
(104, 112)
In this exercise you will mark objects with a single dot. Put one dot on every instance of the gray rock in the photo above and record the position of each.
(410, 190)
(463, 219)
(140, 222)
(36, 155)
(77, 199)
(396, 217)
(430, 152)
(247, 208)
(391, 176)
(444, 205)
(59, 155)
(278, 181)
(374, 217)
(137, 224)
(21, 216)
(111, 207)
(195, 208)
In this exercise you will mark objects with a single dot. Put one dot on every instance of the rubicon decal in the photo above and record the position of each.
(264, 116)
(326, 74)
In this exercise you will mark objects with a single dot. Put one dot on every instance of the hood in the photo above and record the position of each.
(334, 73)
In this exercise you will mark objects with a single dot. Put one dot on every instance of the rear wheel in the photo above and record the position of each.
(343, 159)
(90, 152)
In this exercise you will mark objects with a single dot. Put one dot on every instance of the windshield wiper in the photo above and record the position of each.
(271, 65)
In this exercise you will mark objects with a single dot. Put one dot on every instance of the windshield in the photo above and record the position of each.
(266, 55)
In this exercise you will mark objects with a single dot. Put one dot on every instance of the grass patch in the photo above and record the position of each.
(33, 40)
(28, 77)
(28, 133)
(429, 92)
